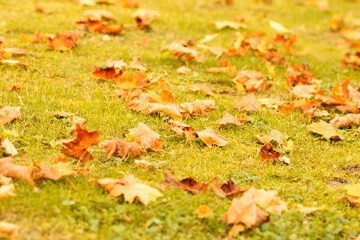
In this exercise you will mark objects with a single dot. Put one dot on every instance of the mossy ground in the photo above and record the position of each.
(57, 81)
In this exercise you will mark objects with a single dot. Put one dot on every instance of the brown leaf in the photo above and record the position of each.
(252, 80)
(247, 103)
(188, 184)
(98, 15)
(100, 27)
(107, 74)
(267, 153)
(122, 148)
(7, 191)
(268, 200)
(182, 50)
(40, 8)
(303, 91)
(131, 187)
(274, 135)
(77, 121)
(9, 229)
(63, 41)
(230, 119)
(178, 127)
(212, 137)
(227, 189)
(143, 163)
(77, 147)
(13, 88)
(346, 121)
(199, 107)
(144, 17)
(325, 129)
(146, 137)
(37, 37)
(204, 212)
(9, 114)
(229, 24)
(9, 169)
(16, 51)
(206, 90)
(183, 70)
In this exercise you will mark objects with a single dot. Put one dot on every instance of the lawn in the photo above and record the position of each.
(73, 208)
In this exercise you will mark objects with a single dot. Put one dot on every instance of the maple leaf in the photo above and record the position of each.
(98, 15)
(247, 103)
(63, 41)
(7, 147)
(309, 210)
(143, 163)
(37, 37)
(7, 191)
(212, 137)
(188, 184)
(131, 187)
(180, 50)
(178, 127)
(274, 135)
(77, 147)
(227, 189)
(107, 74)
(100, 27)
(268, 200)
(9, 169)
(204, 212)
(346, 121)
(325, 129)
(225, 67)
(206, 90)
(230, 119)
(270, 102)
(250, 79)
(183, 70)
(267, 153)
(303, 91)
(9, 114)
(353, 194)
(144, 17)
(9, 229)
(40, 8)
(122, 148)
(146, 137)
(352, 60)
(299, 74)
(199, 107)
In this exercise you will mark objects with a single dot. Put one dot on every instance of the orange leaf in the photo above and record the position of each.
(122, 148)
(199, 107)
(325, 129)
(188, 184)
(147, 137)
(204, 212)
(9, 114)
(267, 153)
(63, 41)
(212, 137)
(9, 169)
(227, 189)
(230, 119)
(247, 103)
(274, 135)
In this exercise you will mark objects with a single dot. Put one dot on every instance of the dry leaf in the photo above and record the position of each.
(8, 147)
(274, 135)
(63, 41)
(9, 114)
(212, 137)
(14, 62)
(235, 230)
(208, 38)
(309, 210)
(183, 70)
(268, 200)
(204, 212)
(9, 169)
(230, 119)
(180, 50)
(250, 79)
(40, 8)
(188, 184)
(325, 129)
(199, 107)
(10, 230)
(77, 147)
(278, 27)
(131, 187)
(353, 194)
(178, 127)
(290, 146)
(122, 148)
(143, 163)
(267, 153)
(100, 27)
(98, 15)
(144, 17)
(227, 189)
(146, 137)
(61, 114)
(247, 103)
(7, 191)
(206, 90)
(303, 91)
(346, 121)
(229, 24)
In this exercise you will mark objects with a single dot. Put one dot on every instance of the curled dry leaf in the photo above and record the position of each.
(353, 194)
(10, 230)
(98, 15)
(63, 41)
(148, 108)
(183, 70)
(199, 107)
(179, 50)
(131, 187)
(227, 189)
(100, 27)
(179, 128)
(146, 137)
(122, 148)
(206, 90)
(346, 121)
(212, 137)
(144, 17)
(9, 114)
(309, 210)
(188, 184)
(250, 79)
(143, 163)
(325, 129)
(274, 135)
(77, 147)
(230, 119)
(9, 169)
(247, 103)
(204, 212)
(267, 153)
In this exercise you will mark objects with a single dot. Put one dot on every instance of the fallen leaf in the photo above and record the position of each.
(252, 80)
(131, 187)
(37, 37)
(325, 129)
(227, 189)
(9, 169)
(346, 121)
(63, 41)
(274, 135)
(146, 137)
(212, 137)
(183, 70)
(144, 17)
(352, 60)
(100, 27)
(290, 146)
(303, 91)
(122, 148)
(206, 90)
(267, 153)
(9, 114)
(107, 74)
(98, 15)
(77, 121)
(14, 62)
(7, 191)
(188, 184)
(209, 38)
(10, 230)
(178, 127)
(229, 24)
(60, 114)
(353, 194)
(247, 103)
(180, 50)
(235, 230)
(230, 119)
(16, 51)
(268, 200)
(47, 10)
(278, 27)
(199, 107)
(77, 147)
(8, 147)
(309, 210)
(143, 163)
(204, 212)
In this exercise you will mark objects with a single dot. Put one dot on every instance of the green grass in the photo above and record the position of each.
(57, 81)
